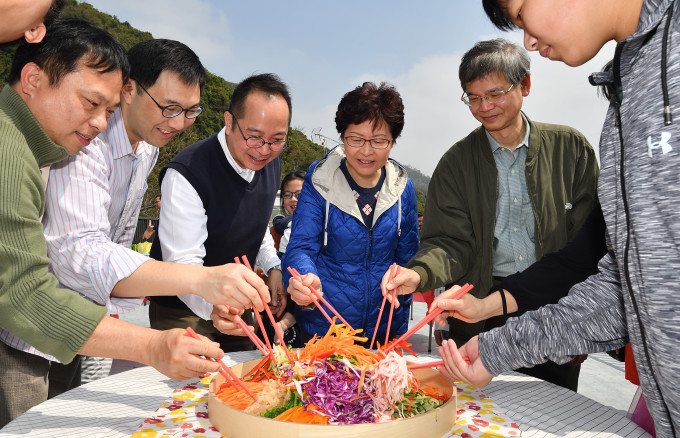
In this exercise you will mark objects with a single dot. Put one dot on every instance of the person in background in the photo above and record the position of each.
(27, 19)
(218, 196)
(356, 216)
(633, 297)
(47, 113)
(148, 232)
(502, 197)
(157, 202)
(291, 186)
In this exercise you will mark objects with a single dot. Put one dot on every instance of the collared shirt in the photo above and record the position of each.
(513, 245)
(183, 227)
(91, 209)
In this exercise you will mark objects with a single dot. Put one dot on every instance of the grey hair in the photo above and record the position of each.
(494, 56)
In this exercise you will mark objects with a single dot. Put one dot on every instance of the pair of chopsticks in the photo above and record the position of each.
(393, 272)
(434, 364)
(316, 297)
(259, 321)
(459, 293)
(226, 372)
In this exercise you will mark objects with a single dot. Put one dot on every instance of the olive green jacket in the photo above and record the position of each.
(459, 219)
(32, 308)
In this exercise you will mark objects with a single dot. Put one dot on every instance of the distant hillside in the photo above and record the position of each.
(215, 97)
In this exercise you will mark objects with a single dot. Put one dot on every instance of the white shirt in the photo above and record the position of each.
(91, 209)
(183, 227)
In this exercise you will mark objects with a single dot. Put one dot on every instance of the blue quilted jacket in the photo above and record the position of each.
(329, 239)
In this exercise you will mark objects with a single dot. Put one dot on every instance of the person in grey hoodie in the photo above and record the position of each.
(634, 296)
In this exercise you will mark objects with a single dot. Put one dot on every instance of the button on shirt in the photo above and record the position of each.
(92, 204)
(513, 246)
(183, 227)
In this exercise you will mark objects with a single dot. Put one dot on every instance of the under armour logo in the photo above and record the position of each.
(663, 144)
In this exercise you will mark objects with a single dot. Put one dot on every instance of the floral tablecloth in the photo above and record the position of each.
(185, 414)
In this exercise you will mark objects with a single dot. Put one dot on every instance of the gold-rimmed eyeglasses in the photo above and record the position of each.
(494, 97)
(357, 142)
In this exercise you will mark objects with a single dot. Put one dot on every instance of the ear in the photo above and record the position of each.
(35, 34)
(127, 90)
(32, 76)
(228, 120)
(525, 84)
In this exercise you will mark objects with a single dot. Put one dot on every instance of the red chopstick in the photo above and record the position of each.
(321, 298)
(298, 277)
(226, 372)
(415, 366)
(382, 306)
(436, 363)
(253, 337)
(462, 291)
(257, 314)
(394, 273)
(271, 316)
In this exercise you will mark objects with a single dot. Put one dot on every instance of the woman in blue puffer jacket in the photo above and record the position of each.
(356, 215)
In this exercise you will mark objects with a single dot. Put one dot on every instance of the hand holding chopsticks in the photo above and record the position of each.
(459, 293)
(317, 296)
(404, 282)
(226, 372)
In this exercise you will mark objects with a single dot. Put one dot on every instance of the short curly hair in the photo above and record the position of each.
(374, 103)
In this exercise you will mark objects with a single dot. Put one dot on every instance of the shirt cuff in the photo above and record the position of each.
(198, 305)
(273, 261)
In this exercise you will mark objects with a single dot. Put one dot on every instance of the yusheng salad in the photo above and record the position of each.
(333, 381)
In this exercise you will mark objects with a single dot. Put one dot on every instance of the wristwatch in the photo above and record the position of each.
(275, 267)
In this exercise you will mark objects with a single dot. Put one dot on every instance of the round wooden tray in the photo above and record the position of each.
(238, 424)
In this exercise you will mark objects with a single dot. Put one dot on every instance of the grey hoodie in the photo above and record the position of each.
(636, 295)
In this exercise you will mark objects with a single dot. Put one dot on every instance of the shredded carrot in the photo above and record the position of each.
(235, 397)
(338, 340)
(298, 414)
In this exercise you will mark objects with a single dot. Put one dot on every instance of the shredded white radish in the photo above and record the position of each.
(390, 378)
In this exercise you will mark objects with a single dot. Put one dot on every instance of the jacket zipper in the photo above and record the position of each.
(617, 97)
(366, 277)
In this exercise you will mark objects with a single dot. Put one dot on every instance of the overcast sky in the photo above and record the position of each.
(322, 49)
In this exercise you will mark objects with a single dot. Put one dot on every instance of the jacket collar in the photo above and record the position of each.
(41, 145)
(331, 184)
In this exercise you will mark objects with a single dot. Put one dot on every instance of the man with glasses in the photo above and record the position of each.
(93, 198)
(502, 197)
(218, 196)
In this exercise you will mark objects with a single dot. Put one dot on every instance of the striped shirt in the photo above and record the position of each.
(91, 209)
(513, 244)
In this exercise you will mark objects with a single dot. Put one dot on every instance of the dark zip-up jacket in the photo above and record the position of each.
(459, 220)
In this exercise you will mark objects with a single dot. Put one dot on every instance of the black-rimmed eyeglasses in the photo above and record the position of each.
(171, 111)
(289, 195)
(257, 142)
(494, 97)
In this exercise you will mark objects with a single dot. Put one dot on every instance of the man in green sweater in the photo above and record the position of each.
(510, 192)
(65, 88)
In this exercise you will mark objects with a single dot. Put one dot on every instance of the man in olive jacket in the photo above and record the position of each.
(510, 192)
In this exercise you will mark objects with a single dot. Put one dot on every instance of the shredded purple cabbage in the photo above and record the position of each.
(334, 391)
